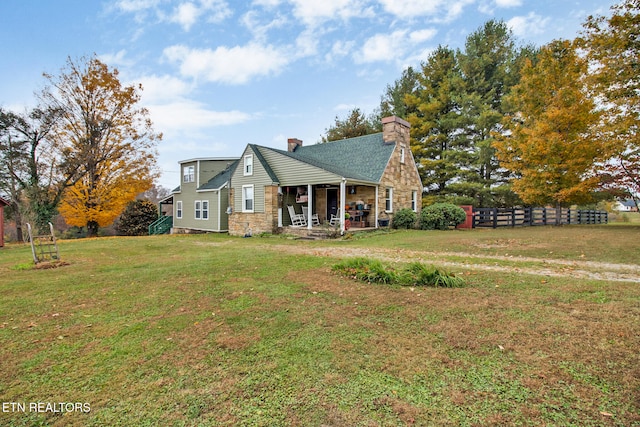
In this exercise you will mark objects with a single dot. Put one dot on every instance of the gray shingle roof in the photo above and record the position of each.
(362, 158)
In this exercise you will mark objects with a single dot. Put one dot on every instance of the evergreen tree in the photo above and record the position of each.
(136, 218)
(440, 149)
(489, 69)
(355, 124)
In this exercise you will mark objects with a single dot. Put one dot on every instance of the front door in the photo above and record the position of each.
(332, 202)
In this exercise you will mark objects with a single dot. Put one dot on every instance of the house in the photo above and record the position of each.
(628, 205)
(3, 203)
(370, 176)
(200, 202)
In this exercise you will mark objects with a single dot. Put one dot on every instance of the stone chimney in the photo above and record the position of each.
(292, 144)
(394, 129)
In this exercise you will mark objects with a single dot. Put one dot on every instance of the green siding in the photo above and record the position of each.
(188, 195)
(207, 169)
(188, 211)
(292, 172)
(259, 179)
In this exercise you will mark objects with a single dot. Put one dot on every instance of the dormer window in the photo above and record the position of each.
(248, 165)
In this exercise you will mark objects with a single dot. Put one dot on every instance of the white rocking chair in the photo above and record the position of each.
(314, 217)
(335, 220)
(297, 220)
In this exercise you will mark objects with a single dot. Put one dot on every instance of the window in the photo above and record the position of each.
(414, 201)
(248, 165)
(189, 174)
(401, 154)
(179, 209)
(201, 209)
(247, 198)
(388, 199)
(205, 209)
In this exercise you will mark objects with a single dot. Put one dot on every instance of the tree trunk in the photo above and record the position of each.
(92, 229)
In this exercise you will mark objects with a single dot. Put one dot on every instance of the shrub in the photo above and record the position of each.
(427, 275)
(137, 217)
(441, 216)
(404, 218)
(367, 270)
(415, 274)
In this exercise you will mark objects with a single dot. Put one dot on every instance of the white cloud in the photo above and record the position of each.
(410, 9)
(216, 10)
(383, 47)
(251, 21)
(422, 35)
(235, 65)
(185, 114)
(528, 25)
(315, 12)
(136, 5)
(266, 3)
(157, 89)
(340, 49)
(392, 47)
(186, 15)
(508, 3)
(116, 59)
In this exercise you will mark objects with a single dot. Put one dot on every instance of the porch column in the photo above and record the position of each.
(310, 205)
(376, 206)
(343, 201)
(280, 206)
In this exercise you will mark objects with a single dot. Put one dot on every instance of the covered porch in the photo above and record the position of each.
(317, 206)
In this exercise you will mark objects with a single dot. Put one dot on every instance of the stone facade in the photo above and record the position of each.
(263, 221)
(401, 174)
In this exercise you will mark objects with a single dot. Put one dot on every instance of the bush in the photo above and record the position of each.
(441, 216)
(136, 218)
(415, 274)
(404, 218)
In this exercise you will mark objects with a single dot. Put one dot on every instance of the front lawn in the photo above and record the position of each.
(214, 330)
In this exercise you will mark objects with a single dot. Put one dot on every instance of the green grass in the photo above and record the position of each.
(212, 330)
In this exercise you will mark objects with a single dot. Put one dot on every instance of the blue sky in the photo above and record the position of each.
(219, 74)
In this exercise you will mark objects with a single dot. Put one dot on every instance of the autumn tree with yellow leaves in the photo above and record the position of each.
(612, 47)
(104, 138)
(549, 146)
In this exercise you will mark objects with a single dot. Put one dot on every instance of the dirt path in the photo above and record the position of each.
(546, 267)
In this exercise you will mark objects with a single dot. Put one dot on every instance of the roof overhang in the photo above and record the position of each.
(202, 159)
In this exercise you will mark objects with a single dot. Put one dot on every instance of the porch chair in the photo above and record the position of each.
(335, 220)
(297, 220)
(314, 217)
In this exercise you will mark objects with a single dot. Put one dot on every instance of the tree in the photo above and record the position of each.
(441, 150)
(489, 70)
(550, 145)
(31, 172)
(155, 193)
(97, 203)
(137, 217)
(356, 124)
(106, 140)
(394, 101)
(612, 47)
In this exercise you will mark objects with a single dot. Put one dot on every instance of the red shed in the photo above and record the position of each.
(3, 203)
